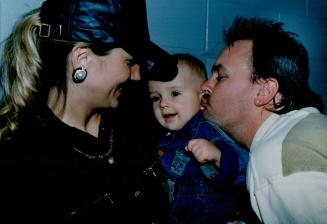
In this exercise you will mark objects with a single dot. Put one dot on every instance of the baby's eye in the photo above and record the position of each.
(154, 99)
(175, 93)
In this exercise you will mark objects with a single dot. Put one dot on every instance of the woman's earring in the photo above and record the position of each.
(79, 75)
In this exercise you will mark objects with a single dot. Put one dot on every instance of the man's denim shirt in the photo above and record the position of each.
(181, 166)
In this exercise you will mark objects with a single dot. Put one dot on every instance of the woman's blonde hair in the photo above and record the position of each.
(20, 66)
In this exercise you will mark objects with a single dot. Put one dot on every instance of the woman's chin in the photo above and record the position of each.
(114, 104)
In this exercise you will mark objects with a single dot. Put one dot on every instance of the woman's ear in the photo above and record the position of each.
(268, 89)
(79, 57)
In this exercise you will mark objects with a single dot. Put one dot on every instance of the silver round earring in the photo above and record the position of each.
(79, 75)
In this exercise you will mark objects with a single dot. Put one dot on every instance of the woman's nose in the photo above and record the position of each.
(135, 72)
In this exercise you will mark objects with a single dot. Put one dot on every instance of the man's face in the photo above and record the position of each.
(232, 90)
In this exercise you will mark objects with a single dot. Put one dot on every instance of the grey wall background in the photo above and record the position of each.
(195, 26)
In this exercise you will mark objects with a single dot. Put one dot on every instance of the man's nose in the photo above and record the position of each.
(205, 94)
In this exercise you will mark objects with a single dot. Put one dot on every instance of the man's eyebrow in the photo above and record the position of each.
(216, 68)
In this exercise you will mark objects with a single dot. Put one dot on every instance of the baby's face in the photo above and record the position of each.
(176, 102)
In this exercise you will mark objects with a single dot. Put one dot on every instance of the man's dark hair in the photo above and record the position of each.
(277, 53)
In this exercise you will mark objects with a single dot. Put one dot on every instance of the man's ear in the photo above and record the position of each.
(268, 89)
(79, 57)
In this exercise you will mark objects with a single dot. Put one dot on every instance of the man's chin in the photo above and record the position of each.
(206, 114)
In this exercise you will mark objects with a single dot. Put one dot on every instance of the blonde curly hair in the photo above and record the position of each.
(20, 66)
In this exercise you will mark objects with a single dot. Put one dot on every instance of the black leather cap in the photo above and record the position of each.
(121, 23)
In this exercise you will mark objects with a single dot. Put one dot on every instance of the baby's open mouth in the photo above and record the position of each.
(168, 115)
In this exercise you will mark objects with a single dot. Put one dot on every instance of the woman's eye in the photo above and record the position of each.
(131, 62)
(175, 93)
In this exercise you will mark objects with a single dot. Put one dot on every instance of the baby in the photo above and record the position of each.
(200, 161)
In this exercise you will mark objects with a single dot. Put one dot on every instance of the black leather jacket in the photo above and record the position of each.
(51, 171)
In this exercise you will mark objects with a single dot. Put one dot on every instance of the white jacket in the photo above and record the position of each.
(287, 171)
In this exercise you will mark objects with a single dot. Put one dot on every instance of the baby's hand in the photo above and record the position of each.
(204, 151)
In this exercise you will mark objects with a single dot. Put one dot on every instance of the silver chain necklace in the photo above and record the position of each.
(107, 156)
